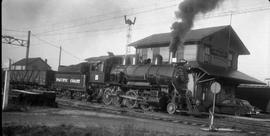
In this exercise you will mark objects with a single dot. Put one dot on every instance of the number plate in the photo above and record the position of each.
(96, 77)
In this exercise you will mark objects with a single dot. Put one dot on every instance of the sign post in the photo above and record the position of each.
(215, 89)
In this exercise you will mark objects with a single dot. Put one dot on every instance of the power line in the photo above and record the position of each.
(79, 37)
(56, 46)
(230, 12)
(207, 16)
(13, 30)
(112, 18)
(226, 13)
(22, 36)
(81, 32)
(48, 43)
(104, 14)
(100, 15)
(96, 30)
(67, 52)
(74, 26)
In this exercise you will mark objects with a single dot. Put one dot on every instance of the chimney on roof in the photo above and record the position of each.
(46, 60)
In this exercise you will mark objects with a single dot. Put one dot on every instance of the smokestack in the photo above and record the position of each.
(187, 10)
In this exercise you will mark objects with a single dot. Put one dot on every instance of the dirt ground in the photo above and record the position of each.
(61, 121)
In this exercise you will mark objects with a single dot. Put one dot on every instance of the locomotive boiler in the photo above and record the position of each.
(151, 74)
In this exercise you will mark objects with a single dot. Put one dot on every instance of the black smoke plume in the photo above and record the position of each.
(188, 9)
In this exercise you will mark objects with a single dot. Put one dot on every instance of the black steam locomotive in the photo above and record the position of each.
(144, 85)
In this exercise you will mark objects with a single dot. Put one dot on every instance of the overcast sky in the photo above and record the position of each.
(88, 28)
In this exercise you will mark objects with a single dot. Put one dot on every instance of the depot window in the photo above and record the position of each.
(164, 52)
(190, 52)
(230, 59)
(207, 56)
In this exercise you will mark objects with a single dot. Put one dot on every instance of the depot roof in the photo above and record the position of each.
(232, 75)
(197, 35)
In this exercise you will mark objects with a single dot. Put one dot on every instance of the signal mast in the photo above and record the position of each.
(129, 23)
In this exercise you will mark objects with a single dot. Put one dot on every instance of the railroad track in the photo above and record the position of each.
(243, 126)
(247, 126)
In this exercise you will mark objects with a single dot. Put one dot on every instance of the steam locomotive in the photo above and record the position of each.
(134, 85)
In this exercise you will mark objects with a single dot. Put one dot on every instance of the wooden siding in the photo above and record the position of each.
(221, 45)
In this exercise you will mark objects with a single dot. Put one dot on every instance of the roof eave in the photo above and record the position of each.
(165, 44)
(246, 79)
(244, 50)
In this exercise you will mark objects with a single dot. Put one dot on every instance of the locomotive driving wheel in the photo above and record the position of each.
(131, 102)
(117, 100)
(107, 96)
(145, 107)
(171, 108)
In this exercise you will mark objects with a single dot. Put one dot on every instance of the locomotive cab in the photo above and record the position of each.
(97, 72)
(100, 69)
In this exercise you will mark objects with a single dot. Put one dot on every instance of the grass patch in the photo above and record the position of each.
(11, 107)
(68, 130)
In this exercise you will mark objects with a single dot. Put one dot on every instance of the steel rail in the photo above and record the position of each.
(241, 125)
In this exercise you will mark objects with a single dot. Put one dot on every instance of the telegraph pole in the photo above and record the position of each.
(9, 64)
(6, 90)
(129, 23)
(60, 53)
(27, 50)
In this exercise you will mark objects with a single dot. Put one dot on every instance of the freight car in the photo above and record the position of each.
(32, 87)
(31, 79)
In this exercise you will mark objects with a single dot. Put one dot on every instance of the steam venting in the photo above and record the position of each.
(187, 11)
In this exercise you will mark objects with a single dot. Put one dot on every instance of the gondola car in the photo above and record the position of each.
(31, 79)
(32, 87)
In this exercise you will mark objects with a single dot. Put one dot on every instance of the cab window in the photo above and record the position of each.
(97, 66)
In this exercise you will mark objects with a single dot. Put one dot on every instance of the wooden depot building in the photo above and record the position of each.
(212, 55)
